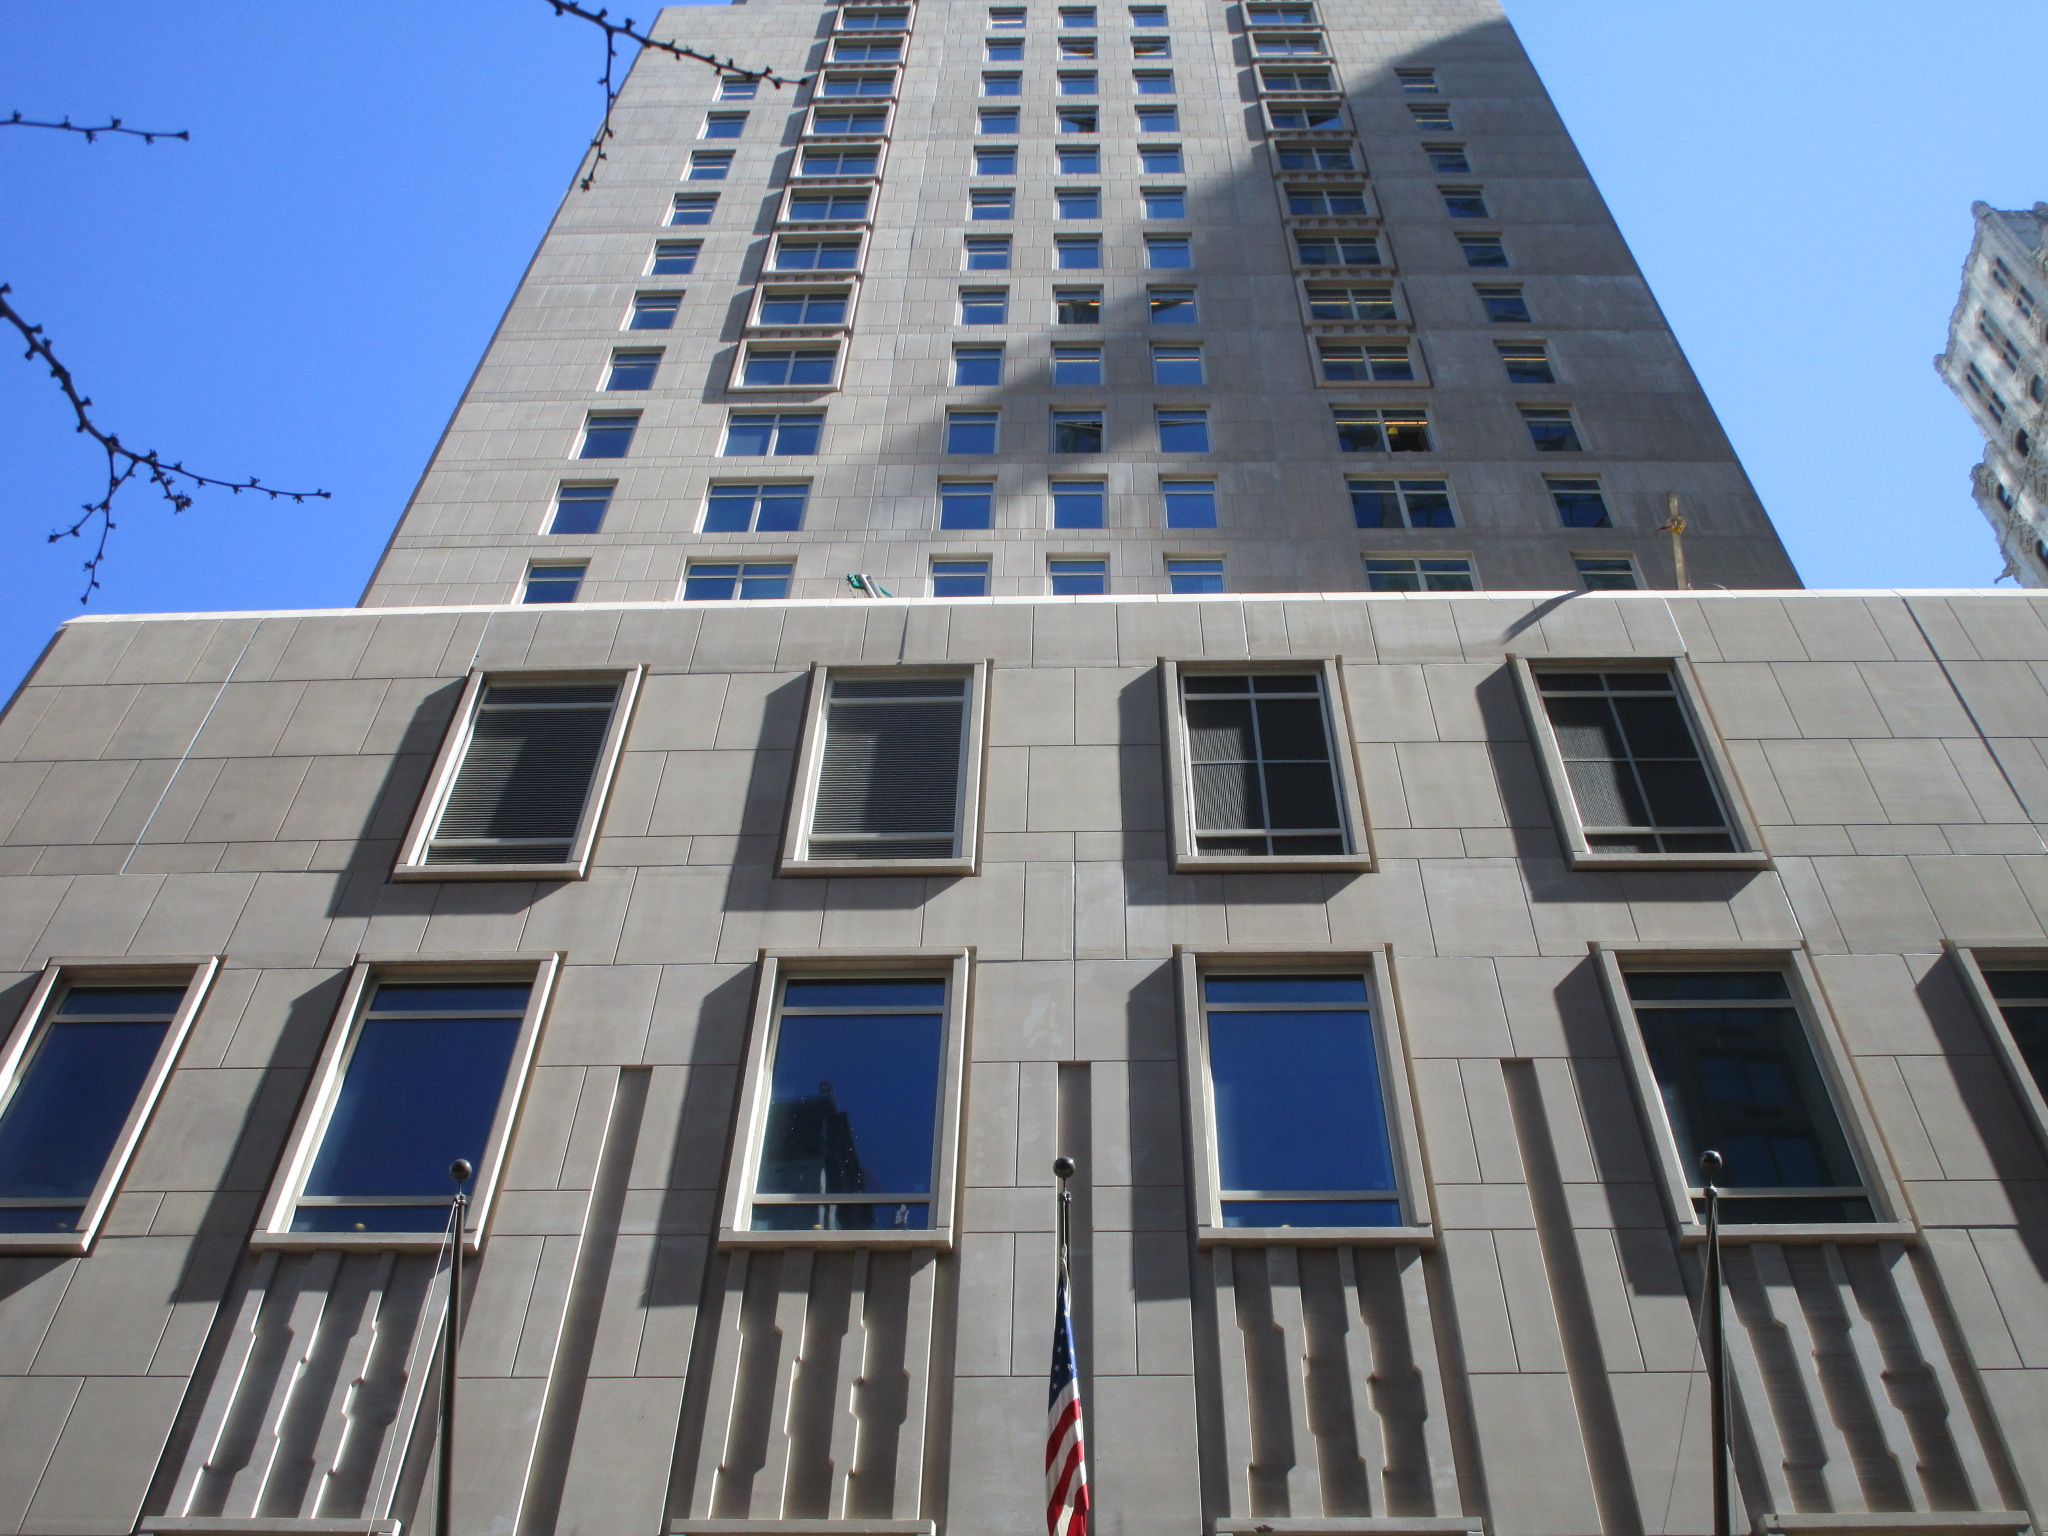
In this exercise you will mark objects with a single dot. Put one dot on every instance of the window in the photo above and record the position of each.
(1401, 503)
(710, 165)
(1183, 431)
(422, 1071)
(1148, 16)
(1176, 365)
(967, 504)
(1076, 252)
(1623, 747)
(1077, 431)
(1295, 1104)
(1504, 306)
(725, 581)
(608, 437)
(1074, 82)
(1002, 83)
(724, 125)
(971, 431)
(1005, 50)
(1153, 82)
(1077, 365)
(632, 370)
(654, 311)
(1079, 159)
(1171, 306)
(1551, 429)
(1255, 775)
(1416, 82)
(1433, 119)
(841, 160)
(674, 256)
(1078, 503)
(1158, 120)
(1166, 202)
(1193, 576)
(992, 203)
(1300, 116)
(804, 306)
(1315, 157)
(988, 253)
(985, 306)
(1341, 250)
(874, 21)
(1077, 16)
(1151, 47)
(846, 51)
(849, 122)
(1168, 252)
(752, 435)
(755, 508)
(998, 120)
(1281, 15)
(1404, 575)
(2021, 1000)
(734, 88)
(1006, 16)
(521, 780)
(1392, 429)
(1606, 573)
(1076, 47)
(978, 365)
(1077, 578)
(1269, 45)
(1189, 503)
(1160, 158)
(553, 583)
(82, 1073)
(995, 160)
(1326, 202)
(827, 205)
(1077, 306)
(1295, 80)
(1579, 503)
(1079, 120)
(1464, 202)
(580, 508)
(1526, 362)
(1735, 1071)
(1447, 158)
(796, 255)
(789, 367)
(959, 578)
(1346, 362)
(859, 85)
(885, 771)
(1483, 250)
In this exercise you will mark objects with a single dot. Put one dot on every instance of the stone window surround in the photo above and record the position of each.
(273, 1226)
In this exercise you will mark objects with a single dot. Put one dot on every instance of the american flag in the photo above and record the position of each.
(1066, 1460)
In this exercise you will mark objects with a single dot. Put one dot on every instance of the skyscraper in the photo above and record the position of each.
(1283, 777)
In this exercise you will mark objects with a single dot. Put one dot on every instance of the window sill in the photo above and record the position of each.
(1356, 1525)
(1314, 1237)
(802, 1527)
(380, 1242)
(1694, 1233)
(1278, 863)
(231, 1525)
(68, 1244)
(1587, 859)
(491, 871)
(940, 1238)
(797, 868)
(783, 389)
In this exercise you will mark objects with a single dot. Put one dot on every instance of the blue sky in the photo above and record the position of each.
(302, 291)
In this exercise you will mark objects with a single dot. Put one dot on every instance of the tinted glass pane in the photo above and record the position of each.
(1293, 728)
(75, 1094)
(1300, 795)
(444, 998)
(853, 1104)
(1311, 1213)
(1219, 729)
(1707, 986)
(1298, 1102)
(1284, 989)
(907, 1217)
(373, 1218)
(896, 993)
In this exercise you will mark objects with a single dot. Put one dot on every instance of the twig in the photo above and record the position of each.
(613, 31)
(93, 132)
(173, 480)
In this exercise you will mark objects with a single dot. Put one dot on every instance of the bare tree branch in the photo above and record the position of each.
(93, 132)
(623, 28)
(173, 480)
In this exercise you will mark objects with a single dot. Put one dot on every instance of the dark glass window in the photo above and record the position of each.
(1264, 781)
(1527, 362)
(1483, 250)
(971, 431)
(71, 1099)
(1335, 303)
(1464, 202)
(608, 437)
(1505, 306)
(1183, 431)
(1159, 120)
(633, 370)
(959, 578)
(654, 311)
(988, 253)
(580, 508)
(526, 772)
(693, 208)
(1301, 1116)
(889, 774)
(710, 165)
(1551, 429)
(805, 306)
(1342, 251)
(1078, 503)
(724, 581)
(424, 1078)
(553, 583)
(1194, 576)
(1635, 767)
(1189, 503)
(1606, 573)
(1447, 157)
(1737, 1074)
(792, 432)
(1077, 431)
(1078, 578)
(991, 203)
(1077, 306)
(1158, 158)
(2023, 999)
(853, 1107)
(985, 306)
(1580, 504)
(755, 508)
(675, 256)
(850, 160)
(789, 367)
(816, 255)
(1401, 503)
(1000, 160)
(843, 205)
(1078, 253)
(1409, 575)
(978, 365)
(967, 504)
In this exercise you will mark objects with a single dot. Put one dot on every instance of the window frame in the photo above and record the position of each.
(879, 148)
(770, 278)
(795, 859)
(1180, 814)
(744, 353)
(33, 1024)
(1973, 960)
(273, 1226)
(412, 852)
(1831, 1057)
(1579, 853)
(772, 271)
(882, 104)
(751, 1119)
(1390, 1042)
(870, 187)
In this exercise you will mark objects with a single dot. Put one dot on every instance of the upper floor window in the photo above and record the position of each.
(1606, 573)
(874, 21)
(1392, 429)
(1504, 306)
(608, 437)
(1483, 250)
(1347, 248)
(654, 311)
(960, 578)
(1447, 158)
(710, 164)
(755, 508)
(632, 370)
(724, 125)
(840, 160)
(674, 256)
(1296, 79)
(553, 581)
(1579, 503)
(725, 581)
(751, 434)
(2022, 998)
(1401, 503)
(1432, 119)
(1527, 362)
(1192, 575)
(737, 88)
(1302, 116)
(1315, 157)
(1416, 82)
(1074, 576)
(1402, 573)
(798, 255)
(581, 508)
(1551, 429)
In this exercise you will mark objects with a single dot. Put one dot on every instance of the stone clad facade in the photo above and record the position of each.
(1381, 956)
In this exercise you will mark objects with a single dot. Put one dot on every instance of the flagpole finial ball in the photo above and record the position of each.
(459, 1170)
(1710, 1165)
(1063, 1167)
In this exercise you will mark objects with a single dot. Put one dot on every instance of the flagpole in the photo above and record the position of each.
(459, 1171)
(1067, 1501)
(1063, 1170)
(1717, 1349)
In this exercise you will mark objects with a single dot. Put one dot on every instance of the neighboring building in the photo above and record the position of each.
(1384, 950)
(1997, 363)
